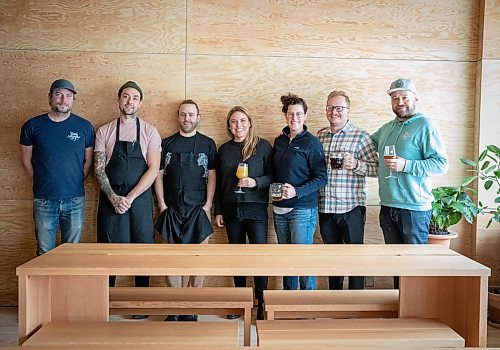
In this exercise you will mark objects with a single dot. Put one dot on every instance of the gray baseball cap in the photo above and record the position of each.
(62, 84)
(402, 84)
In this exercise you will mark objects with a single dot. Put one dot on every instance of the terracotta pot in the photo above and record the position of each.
(441, 239)
(494, 306)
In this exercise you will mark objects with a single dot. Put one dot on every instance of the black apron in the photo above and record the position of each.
(124, 170)
(185, 193)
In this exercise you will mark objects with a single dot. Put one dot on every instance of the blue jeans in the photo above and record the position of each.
(403, 226)
(48, 214)
(297, 227)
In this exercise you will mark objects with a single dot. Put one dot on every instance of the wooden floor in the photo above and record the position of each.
(8, 326)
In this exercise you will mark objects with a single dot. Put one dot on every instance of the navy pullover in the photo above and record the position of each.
(301, 163)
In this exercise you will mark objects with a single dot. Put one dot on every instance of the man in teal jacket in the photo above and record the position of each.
(406, 197)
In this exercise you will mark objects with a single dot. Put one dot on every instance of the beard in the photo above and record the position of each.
(131, 112)
(61, 109)
(405, 112)
(188, 128)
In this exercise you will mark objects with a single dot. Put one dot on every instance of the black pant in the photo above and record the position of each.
(346, 228)
(256, 229)
(135, 226)
(140, 281)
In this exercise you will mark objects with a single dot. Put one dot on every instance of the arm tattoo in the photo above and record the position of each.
(100, 174)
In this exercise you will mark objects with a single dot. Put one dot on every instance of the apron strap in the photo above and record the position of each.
(137, 128)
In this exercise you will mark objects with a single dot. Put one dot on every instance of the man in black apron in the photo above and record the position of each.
(126, 163)
(185, 189)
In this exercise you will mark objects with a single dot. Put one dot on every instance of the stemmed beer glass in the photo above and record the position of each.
(390, 153)
(241, 173)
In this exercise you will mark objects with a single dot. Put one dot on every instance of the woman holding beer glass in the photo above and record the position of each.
(244, 163)
(299, 165)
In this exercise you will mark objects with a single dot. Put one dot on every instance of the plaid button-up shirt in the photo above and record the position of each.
(346, 189)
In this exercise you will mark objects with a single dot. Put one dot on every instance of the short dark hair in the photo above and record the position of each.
(189, 102)
(292, 99)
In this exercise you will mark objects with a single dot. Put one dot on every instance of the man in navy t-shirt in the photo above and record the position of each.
(56, 151)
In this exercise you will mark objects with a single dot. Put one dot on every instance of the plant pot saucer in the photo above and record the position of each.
(442, 239)
(450, 235)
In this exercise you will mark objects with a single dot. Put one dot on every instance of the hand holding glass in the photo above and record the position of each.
(241, 173)
(336, 160)
(390, 153)
(276, 190)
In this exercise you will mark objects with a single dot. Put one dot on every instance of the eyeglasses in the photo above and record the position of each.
(297, 114)
(337, 108)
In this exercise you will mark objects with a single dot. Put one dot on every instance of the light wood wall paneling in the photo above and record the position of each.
(257, 83)
(18, 245)
(491, 35)
(153, 26)
(97, 78)
(488, 240)
(404, 29)
(236, 52)
(489, 128)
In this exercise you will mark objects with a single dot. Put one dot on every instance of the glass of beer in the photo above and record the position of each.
(336, 160)
(241, 173)
(390, 153)
(276, 191)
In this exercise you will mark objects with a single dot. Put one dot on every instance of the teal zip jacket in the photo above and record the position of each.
(419, 142)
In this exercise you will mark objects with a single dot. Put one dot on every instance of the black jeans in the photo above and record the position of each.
(345, 228)
(256, 230)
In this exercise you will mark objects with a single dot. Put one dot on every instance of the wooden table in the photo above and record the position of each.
(70, 283)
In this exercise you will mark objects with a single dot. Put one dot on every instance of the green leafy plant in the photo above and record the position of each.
(449, 206)
(487, 169)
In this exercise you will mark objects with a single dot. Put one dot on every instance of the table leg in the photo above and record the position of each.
(33, 305)
(461, 302)
(61, 298)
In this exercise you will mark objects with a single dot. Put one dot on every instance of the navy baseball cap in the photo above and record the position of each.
(62, 84)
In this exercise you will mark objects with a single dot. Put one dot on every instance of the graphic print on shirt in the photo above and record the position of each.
(406, 136)
(73, 136)
(203, 161)
(168, 156)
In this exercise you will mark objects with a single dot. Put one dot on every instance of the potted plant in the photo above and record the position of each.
(450, 205)
(487, 169)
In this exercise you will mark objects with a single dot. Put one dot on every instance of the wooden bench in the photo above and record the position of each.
(363, 333)
(184, 301)
(287, 304)
(135, 333)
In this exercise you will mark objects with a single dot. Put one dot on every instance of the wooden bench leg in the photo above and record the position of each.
(269, 315)
(247, 321)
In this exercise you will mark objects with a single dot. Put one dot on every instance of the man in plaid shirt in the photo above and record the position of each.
(342, 211)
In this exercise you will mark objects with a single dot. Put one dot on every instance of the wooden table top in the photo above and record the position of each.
(252, 260)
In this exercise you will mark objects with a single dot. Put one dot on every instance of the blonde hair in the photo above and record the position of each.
(339, 93)
(251, 140)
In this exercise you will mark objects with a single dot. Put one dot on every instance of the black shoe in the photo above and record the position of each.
(172, 318)
(191, 318)
(260, 312)
(139, 317)
(232, 317)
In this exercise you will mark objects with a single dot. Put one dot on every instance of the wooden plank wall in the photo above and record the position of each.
(488, 240)
(223, 53)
